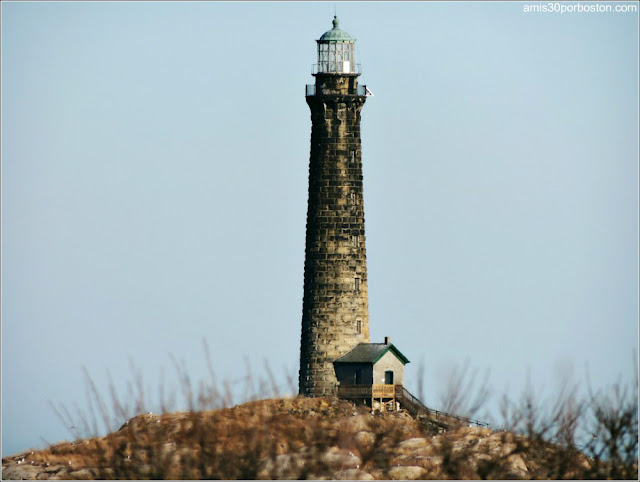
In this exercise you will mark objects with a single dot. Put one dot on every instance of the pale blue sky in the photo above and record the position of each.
(154, 188)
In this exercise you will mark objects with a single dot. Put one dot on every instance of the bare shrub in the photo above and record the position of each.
(465, 391)
(301, 438)
(613, 425)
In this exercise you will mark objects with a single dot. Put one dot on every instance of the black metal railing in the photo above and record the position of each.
(438, 415)
(310, 90)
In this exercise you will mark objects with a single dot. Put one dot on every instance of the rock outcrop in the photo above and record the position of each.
(319, 438)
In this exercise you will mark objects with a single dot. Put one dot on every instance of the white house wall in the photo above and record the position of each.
(388, 362)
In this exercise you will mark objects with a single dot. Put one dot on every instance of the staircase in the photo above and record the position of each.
(442, 420)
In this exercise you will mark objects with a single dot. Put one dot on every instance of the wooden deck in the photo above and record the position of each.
(380, 397)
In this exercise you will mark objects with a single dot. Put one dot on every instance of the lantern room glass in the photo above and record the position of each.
(336, 57)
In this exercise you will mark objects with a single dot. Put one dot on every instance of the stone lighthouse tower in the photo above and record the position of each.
(335, 309)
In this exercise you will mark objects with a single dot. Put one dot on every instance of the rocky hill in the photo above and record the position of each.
(316, 438)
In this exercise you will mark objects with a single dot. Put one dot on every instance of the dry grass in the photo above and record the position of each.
(303, 438)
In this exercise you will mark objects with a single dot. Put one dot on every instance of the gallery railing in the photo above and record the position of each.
(310, 90)
(336, 68)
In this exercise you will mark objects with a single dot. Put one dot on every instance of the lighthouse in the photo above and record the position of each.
(335, 307)
(336, 355)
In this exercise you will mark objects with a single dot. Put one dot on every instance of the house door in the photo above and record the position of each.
(388, 377)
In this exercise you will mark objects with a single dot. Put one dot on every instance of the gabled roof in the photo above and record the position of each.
(370, 353)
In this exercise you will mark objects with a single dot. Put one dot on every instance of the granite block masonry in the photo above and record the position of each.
(335, 311)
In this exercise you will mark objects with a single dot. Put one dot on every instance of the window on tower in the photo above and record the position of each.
(358, 326)
(357, 284)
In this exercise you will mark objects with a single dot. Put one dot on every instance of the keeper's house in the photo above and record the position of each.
(373, 374)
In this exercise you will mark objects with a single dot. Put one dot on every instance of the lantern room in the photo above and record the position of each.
(336, 52)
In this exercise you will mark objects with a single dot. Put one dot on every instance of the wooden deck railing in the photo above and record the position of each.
(383, 391)
(367, 391)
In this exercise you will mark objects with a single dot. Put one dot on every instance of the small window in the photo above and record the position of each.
(355, 241)
(358, 326)
(357, 284)
(353, 198)
(357, 377)
(388, 377)
(352, 156)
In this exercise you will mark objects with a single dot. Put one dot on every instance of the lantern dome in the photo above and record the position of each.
(336, 34)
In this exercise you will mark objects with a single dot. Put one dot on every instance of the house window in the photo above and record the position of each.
(357, 377)
(358, 326)
(357, 284)
(388, 377)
